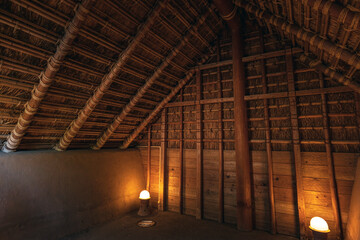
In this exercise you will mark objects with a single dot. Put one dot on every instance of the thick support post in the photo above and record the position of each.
(242, 153)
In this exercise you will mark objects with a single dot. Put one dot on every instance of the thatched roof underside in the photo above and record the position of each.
(327, 31)
(30, 32)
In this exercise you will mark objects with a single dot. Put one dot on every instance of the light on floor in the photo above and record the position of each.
(319, 227)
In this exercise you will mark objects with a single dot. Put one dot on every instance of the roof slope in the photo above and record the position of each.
(328, 32)
(148, 45)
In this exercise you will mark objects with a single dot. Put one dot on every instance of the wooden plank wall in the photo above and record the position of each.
(270, 63)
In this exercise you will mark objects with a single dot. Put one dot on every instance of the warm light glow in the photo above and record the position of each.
(318, 224)
(144, 195)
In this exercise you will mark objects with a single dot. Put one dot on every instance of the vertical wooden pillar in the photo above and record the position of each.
(242, 152)
(162, 177)
(268, 140)
(149, 160)
(181, 157)
(330, 163)
(199, 149)
(220, 137)
(296, 142)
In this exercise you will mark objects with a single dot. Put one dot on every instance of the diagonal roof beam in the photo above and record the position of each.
(140, 93)
(93, 101)
(47, 77)
(162, 104)
(319, 66)
(350, 18)
(302, 34)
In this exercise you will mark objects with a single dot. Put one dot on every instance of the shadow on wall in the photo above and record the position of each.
(48, 194)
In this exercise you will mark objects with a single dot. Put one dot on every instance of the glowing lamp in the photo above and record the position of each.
(144, 195)
(144, 209)
(319, 228)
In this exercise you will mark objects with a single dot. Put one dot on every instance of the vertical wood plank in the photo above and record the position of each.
(181, 157)
(330, 163)
(357, 109)
(244, 210)
(221, 150)
(268, 140)
(162, 165)
(296, 142)
(199, 149)
(148, 160)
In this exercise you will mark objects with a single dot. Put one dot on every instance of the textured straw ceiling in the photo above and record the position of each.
(125, 59)
(175, 39)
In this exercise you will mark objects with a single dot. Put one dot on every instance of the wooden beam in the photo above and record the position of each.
(149, 82)
(268, 141)
(333, 8)
(357, 110)
(148, 175)
(330, 163)
(99, 92)
(296, 144)
(242, 152)
(47, 77)
(221, 144)
(162, 171)
(261, 96)
(249, 58)
(181, 157)
(161, 105)
(199, 149)
(316, 41)
(334, 75)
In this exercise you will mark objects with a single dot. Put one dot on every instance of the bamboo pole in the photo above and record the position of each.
(149, 82)
(334, 75)
(47, 77)
(331, 166)
(318, 42)
(94, 100)
(221, 144)
(161, 105)
(268, 141)
(296, 144)
(199, 149)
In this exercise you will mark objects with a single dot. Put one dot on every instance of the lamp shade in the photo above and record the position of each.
(144, 195)
(319, 224)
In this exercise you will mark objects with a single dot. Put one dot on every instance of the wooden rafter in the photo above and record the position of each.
(140, 93)
(107, 80)
(315, 40)
(161, 105)
(47, 77)
(319, 66)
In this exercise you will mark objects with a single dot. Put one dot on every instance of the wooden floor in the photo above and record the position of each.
(170, 226)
